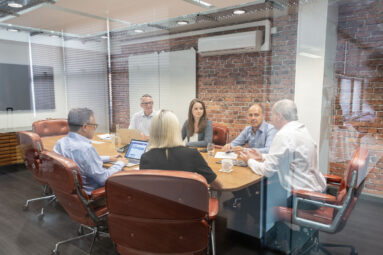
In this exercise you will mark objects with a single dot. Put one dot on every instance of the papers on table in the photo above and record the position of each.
(104, 136)
(96, 142)
(230, 155)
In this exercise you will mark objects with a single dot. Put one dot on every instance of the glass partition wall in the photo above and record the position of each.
(325, 55)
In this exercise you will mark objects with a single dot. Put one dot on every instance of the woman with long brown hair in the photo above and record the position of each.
(197, 129)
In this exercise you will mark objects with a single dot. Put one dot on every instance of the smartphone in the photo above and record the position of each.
(123, 149)
(203, 150)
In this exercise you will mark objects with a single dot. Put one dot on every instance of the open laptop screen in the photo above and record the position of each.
(136, 149)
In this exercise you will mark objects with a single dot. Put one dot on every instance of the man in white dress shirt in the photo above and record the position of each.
(141, 120)
(292, 155)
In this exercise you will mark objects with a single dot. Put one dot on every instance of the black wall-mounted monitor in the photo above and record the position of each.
(16, 87)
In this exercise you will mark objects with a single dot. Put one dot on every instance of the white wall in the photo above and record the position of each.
(17, 52)
(85, 82)
(316, 45)
(169, 77)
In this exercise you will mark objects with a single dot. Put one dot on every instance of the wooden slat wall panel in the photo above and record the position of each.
(9, 151)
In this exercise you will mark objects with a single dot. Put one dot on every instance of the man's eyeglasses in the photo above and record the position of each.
(147, 103)
(93, 124)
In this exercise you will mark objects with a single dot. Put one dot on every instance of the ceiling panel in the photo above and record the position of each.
(51, 19)
(84, 17)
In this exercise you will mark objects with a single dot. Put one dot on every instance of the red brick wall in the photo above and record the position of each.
(228, 84)
(359, 59)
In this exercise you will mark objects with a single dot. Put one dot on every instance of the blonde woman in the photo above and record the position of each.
(197, 129)
(167, 150)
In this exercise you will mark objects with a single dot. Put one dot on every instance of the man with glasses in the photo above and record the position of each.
(142, 119)
(78, 147)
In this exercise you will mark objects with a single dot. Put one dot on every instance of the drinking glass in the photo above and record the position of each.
(210, 149)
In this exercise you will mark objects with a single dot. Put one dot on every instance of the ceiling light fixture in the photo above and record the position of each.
(182, 22)
(12, 30)
(138, 30)
(200, 3)
(13, 4)
(238, 12)
(104, 37)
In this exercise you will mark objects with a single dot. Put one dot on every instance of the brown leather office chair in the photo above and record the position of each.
(31, 147)
(160, 212)
(220, 134)
(50, 127)
(65, 180)
(334, 211)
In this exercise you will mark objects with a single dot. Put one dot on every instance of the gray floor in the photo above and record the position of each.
(21, 233)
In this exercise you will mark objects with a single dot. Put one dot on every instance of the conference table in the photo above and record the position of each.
(239, 178)
(248, 219)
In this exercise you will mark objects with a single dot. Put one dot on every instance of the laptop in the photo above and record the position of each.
(134, 152)
(126, 135)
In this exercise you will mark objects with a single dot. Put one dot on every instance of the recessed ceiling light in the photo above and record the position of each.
(138, 30)
(238, 12)
(13, 4)
(104, 37)
(182, 22)
(13, 30)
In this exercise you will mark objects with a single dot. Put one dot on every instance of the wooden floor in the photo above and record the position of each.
(21, 233)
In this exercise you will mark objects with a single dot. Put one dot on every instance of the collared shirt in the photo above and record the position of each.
(141, 122)
(261, 139)
(81, 151)
(293, 155)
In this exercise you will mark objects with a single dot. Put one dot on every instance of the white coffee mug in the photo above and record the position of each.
(227, 165)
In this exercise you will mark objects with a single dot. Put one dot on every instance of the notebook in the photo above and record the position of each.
(134, 152)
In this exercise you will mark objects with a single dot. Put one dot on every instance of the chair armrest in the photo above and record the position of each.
(333, 178)
(213, 208)
(315, 196)
(98, 193)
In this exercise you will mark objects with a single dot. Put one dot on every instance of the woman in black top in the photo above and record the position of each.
(167, 150)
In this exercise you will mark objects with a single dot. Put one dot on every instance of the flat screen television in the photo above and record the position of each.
(17, 92)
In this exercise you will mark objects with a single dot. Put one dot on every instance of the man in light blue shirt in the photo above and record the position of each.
(258, 135)
(78, 147)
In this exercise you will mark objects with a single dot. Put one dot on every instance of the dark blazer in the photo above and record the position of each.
(179, 158)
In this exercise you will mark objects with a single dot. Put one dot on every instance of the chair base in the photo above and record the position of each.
(94, 231)
(300, 241)
(284, 239)
(41, 215)
(322, 246)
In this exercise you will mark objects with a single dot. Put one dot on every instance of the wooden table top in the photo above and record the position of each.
(239, 178)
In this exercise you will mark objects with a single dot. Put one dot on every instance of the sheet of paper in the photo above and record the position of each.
(96, 142)
(221, 154)
(104, 136)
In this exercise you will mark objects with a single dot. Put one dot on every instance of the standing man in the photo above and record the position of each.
(78, 147)
(258, 135)
(141, 120)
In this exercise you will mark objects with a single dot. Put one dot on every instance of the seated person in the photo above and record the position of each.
(197, 129)
(292, 160)
(258, 135)
(141, 120)
(292, 155)
(167, 150)
(78, 147)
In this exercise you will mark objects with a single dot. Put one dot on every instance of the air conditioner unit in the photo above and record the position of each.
(230, 43)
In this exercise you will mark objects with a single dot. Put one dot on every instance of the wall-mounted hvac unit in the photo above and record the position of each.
(231, 43)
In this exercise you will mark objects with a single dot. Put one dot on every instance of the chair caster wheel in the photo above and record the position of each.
(40, 217)
(25, 208)
(80, 231)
